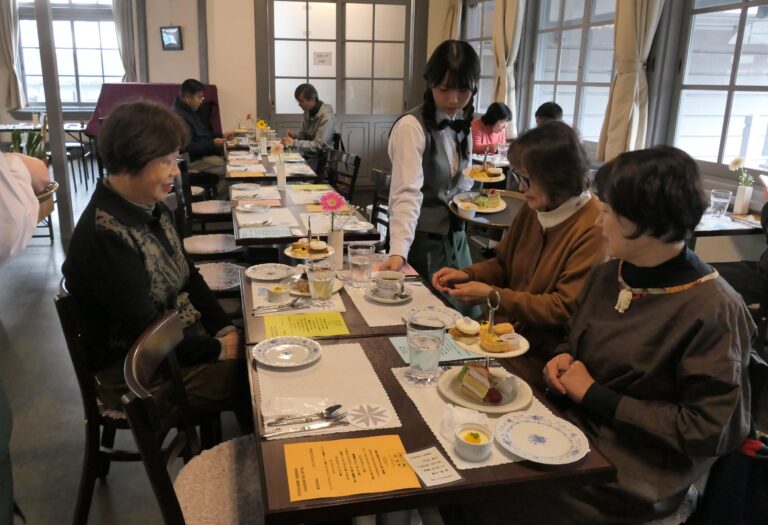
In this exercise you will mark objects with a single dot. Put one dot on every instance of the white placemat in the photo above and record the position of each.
(240, 154)
(279, 217)
(264, 193)
(299, 169)
(431, 406)
(220, 275)
(263, 232)
(360, 384)
(211, 243)
(305, 196)
(250, 168)
(381, 314)
(259, 296)
(321, 221)
(287, 158)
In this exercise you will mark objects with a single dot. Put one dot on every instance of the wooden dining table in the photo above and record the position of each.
(270, 175)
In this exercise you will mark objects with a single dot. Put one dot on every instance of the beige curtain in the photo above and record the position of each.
(452, 26)
(9, 51)
(122, 13)
(507, 30)
(626, 116)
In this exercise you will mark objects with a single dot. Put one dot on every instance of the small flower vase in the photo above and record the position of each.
(336, 241)
(281, 176)
(263, 145)
(743, 198)
(257, 133)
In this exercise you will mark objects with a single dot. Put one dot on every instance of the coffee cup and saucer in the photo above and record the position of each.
(388, 287)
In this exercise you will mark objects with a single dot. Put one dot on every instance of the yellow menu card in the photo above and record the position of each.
(342, 467)
(310, 187)
(306, 325)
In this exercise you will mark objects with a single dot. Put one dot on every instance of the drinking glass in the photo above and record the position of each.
(320, 284)
(718, 201)
(502, 149)
(360, 256)
(425, 335)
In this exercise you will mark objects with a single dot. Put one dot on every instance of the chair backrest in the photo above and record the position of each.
(182, 187)
(379, 207)
(338, 144)
(156, 407)
(341, 169)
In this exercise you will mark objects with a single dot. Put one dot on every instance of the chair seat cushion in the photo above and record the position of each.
(211, 207)
(212, 243)
(197, 190)
(222, 485)
(220, 275)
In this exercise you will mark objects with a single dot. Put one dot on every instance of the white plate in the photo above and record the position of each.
(449, 385)
(291, 281)
(522, 347)
(357, 227)
(457, 200)
(543, 439)
(252, 208)
(310, 256)
(269, 272)
(468, 170)
(385, 300)
(286, 352)
(246, 186)
(448, 316)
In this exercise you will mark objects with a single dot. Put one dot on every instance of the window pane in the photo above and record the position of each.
(698, 4)
(388, 97)
(541, 93)
(62, 33)
(700, 123)
(569, 55)
(90, 87)
(113, 80)
(357, 100)
(549, 14)
(290, 58)
(326, 90)
(358, 59)
(487, 60)
(108, 35)
(566, 98)
(390, 22)
(599, 56)
(546, 56)
(65, 61)
(753, 64)
(322, 59)
(113, 64)
(28, 32)
(748, 130)
(488, 9)
(485, 96)
(284, 101)
(68, 89)
(89, 62)
(290, 19)
(87, 35)
(593, 103)
(711, 48)
(388, 60)
(603, 10)
(574, 12)
(359, 22)
(35, 91)
(473, 20)
(322, 20)
(32, 62)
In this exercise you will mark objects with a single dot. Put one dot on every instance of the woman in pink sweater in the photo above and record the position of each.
(490, 130)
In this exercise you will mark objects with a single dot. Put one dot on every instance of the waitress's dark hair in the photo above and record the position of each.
(496, 111)
(659, 189)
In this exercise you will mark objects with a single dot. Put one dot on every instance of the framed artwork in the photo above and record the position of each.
(171, 38)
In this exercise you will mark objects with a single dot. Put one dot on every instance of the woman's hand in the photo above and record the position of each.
(394, 263)
(576, 380)
(472, 292)
(444, 279)
(555, 368)
(287, 141)
(232, 345)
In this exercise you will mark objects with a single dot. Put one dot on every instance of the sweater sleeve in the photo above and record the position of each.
(478, 146)
(323, 135)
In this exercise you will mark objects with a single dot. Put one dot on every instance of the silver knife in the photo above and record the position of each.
(304, 428)
(305, 419)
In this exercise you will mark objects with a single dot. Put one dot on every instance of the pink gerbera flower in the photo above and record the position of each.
(277, 148)
(332, 201)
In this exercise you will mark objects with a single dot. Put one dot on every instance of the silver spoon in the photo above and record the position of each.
(402, 294)
(326, 413)
(308, 419)
(494, 301)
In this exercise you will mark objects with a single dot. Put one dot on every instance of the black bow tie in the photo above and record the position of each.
(457, 125)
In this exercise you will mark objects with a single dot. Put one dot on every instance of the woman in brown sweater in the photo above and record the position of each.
(546, 256)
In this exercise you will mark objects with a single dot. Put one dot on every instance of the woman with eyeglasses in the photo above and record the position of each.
(490, 130)
(545, 257)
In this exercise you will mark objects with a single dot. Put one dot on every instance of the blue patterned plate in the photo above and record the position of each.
(286, 352)
(542, 439)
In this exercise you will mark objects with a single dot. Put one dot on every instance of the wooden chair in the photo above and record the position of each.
(154, 412)
(341, 171)
(101, 425)
(379, 207)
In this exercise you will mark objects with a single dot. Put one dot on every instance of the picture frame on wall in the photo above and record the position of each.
(170, 36)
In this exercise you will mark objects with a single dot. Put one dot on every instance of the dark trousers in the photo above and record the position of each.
(6, 477)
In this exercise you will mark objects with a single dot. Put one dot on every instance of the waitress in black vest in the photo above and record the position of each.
(429, 147)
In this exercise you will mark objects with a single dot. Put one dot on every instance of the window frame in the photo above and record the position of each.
(71, 13)
(482, 39)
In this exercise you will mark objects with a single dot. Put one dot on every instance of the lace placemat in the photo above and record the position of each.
(264, 193)
(259, 296)
(220, 275)
(211, 243)
(278, 216)
(305, 196)
(264, 232)
(431, 406)
(382, 314)
(361, 386)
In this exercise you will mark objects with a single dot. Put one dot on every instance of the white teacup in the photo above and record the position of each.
(467, 210)
(388, 284)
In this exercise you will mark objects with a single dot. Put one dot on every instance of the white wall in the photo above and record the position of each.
(172, 66)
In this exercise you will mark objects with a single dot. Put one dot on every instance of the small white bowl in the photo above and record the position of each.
(469, 450)
(278, 294)
(467, 210)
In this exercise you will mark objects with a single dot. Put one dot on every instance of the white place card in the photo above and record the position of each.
(432, 467)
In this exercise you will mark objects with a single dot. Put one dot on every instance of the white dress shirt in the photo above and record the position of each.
(18, 207)
(405, 148)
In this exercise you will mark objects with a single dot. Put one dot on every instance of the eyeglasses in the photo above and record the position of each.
(522, 180)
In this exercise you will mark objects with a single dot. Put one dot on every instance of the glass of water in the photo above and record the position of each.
(360, 258)
(502, 149)
(718, 201)
(320, 284)
(425, 343)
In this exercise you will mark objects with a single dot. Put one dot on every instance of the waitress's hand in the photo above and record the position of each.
(472, 292)
(444, 279)
(394, 263)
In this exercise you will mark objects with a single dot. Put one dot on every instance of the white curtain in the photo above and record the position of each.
(626, 116)
(452, 25)
(507, 30)
(9, 52)
(122, 12)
